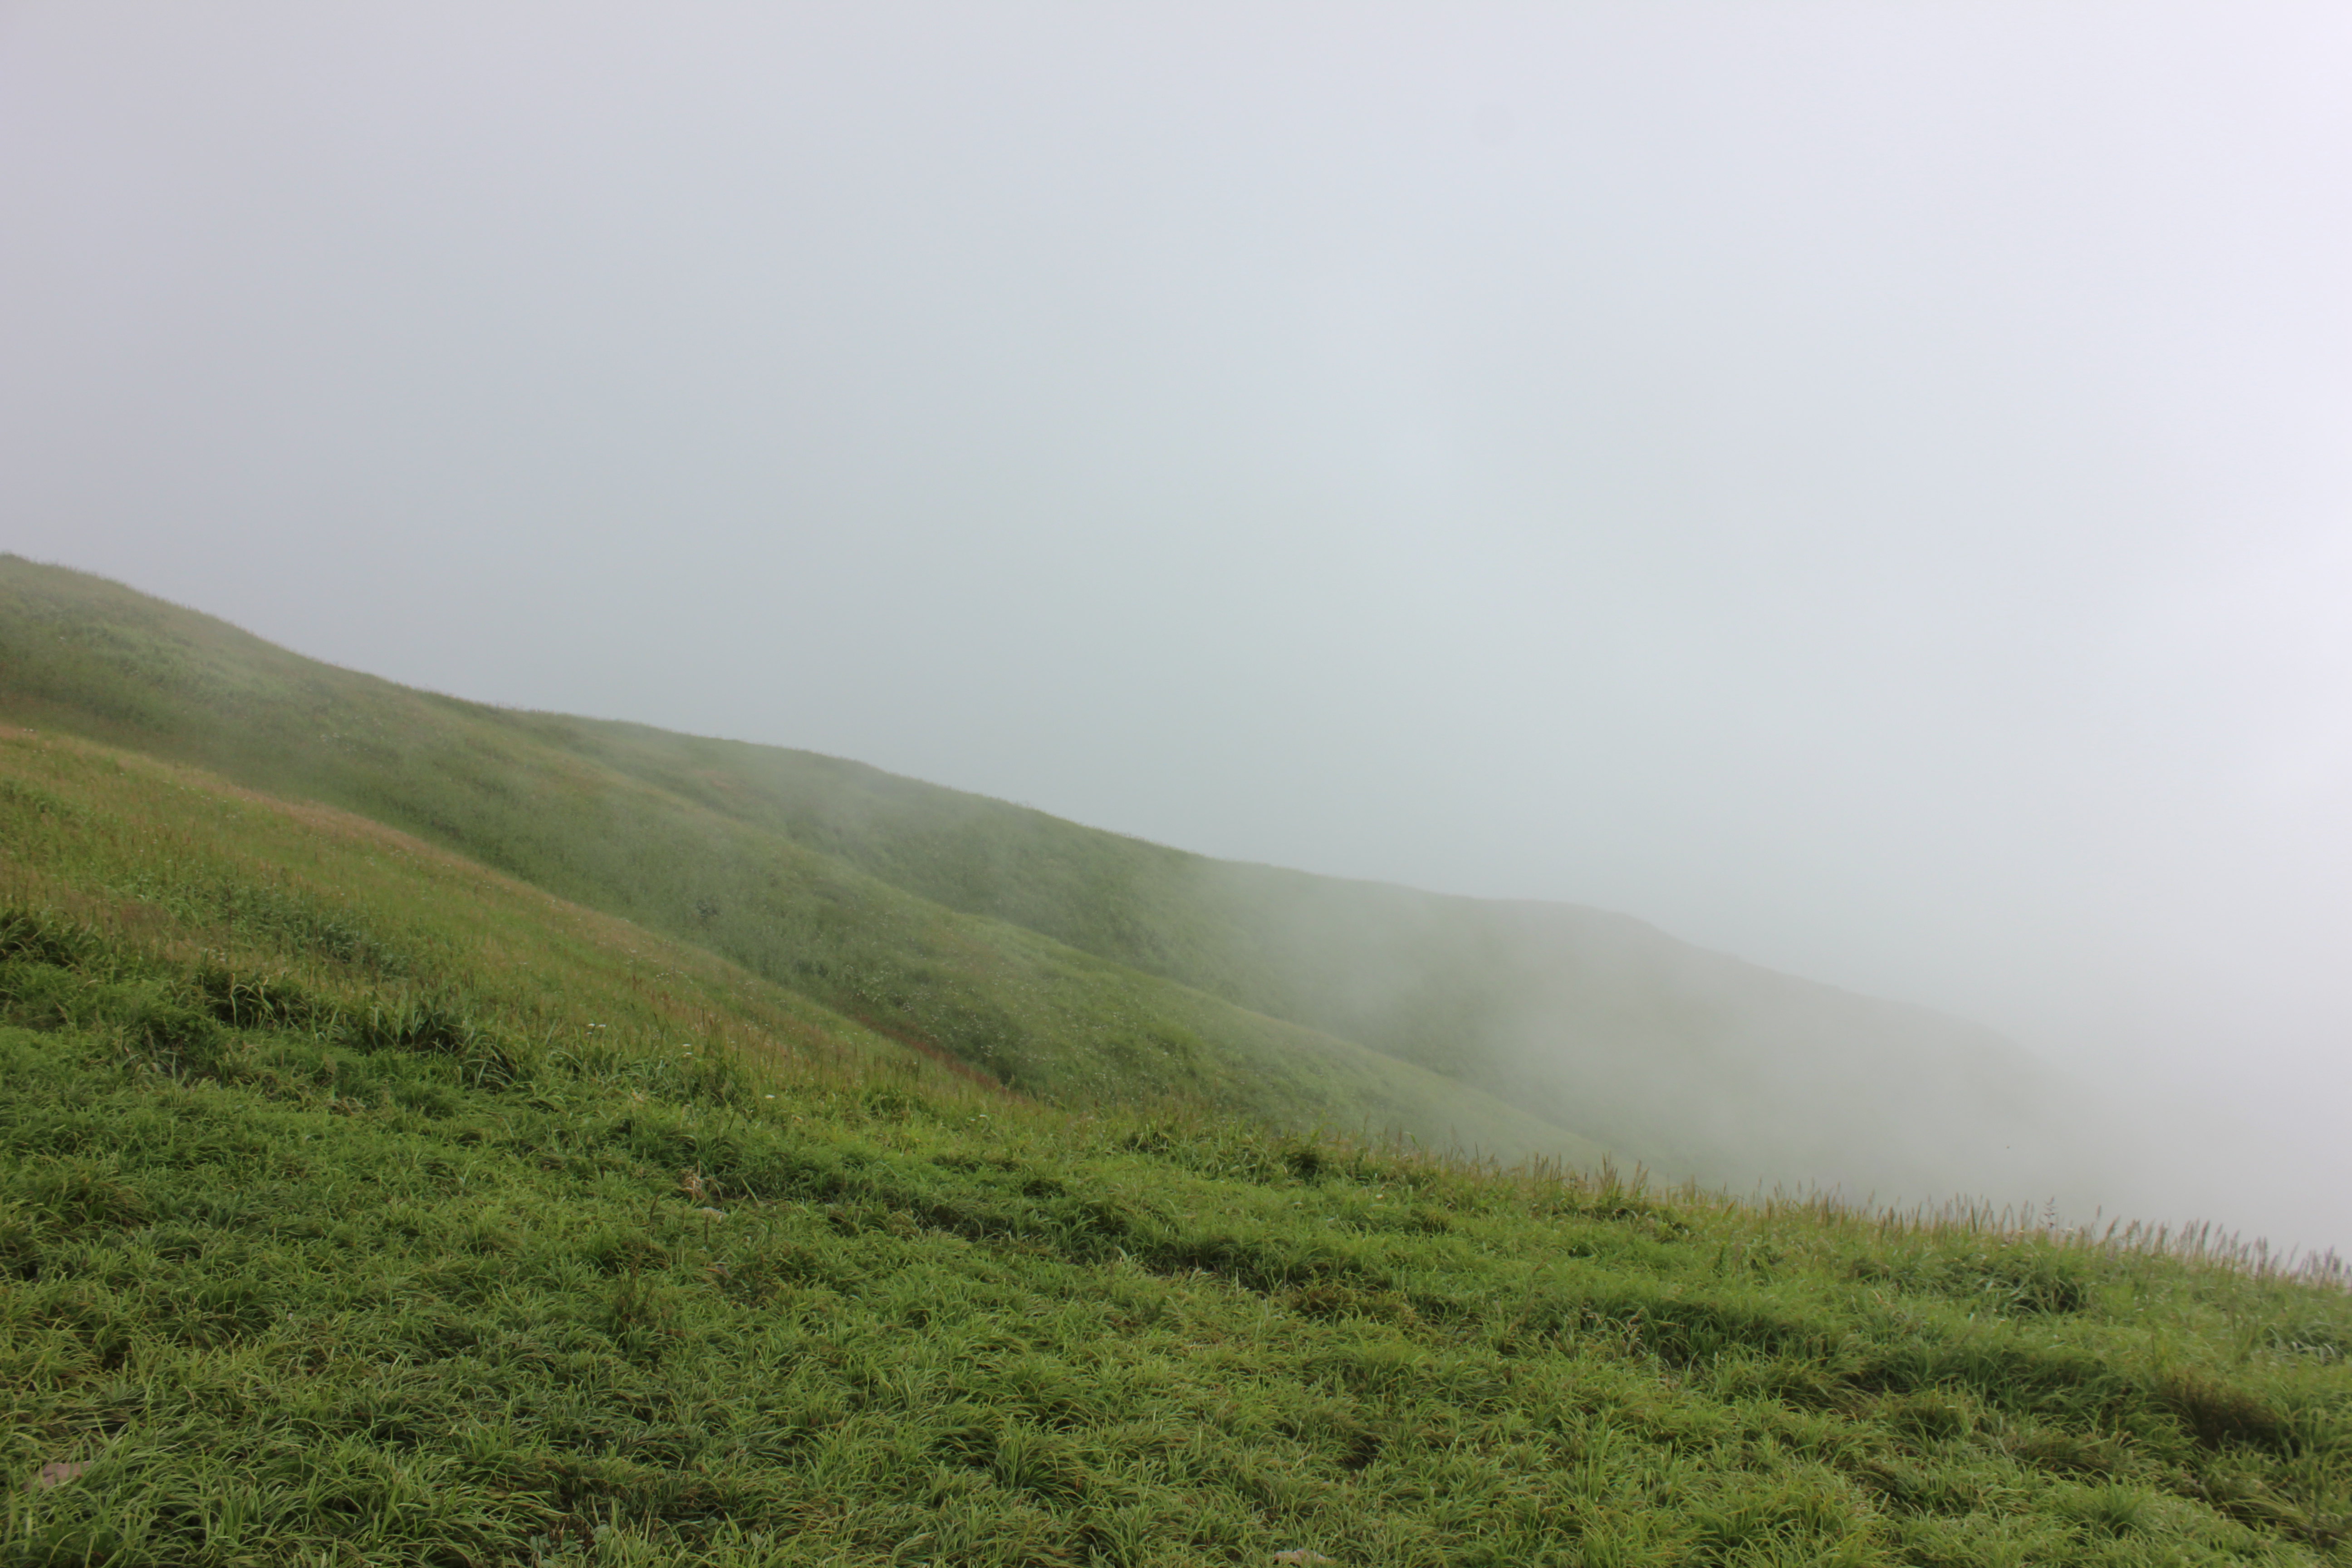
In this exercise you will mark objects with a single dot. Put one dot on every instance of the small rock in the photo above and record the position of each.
(57, 1473)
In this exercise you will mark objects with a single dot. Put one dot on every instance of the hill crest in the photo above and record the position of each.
(1073, 961)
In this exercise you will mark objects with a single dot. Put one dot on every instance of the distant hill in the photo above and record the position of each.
(1078, 965)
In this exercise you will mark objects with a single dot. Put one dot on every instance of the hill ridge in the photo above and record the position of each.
(1569, 1030)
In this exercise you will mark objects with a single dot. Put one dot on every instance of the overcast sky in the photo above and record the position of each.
(1868, 487)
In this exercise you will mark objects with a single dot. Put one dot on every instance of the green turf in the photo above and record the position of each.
(359, 1205)
(1082, 966)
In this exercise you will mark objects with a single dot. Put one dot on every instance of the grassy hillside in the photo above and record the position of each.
(1057, 1023)
(1040, 951)
(362, 1204)
(1701, 1063)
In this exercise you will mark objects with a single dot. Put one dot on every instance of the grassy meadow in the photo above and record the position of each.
(360, 1203)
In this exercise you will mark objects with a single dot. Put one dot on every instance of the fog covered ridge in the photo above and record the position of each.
(1712, 1067)
(1082, 966)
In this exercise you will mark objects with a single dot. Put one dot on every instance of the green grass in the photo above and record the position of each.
(362, 1204)
(1081, 966)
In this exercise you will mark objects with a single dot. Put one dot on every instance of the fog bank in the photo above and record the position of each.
(1866, 490)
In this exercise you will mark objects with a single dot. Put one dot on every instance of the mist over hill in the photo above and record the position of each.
(1079, 965)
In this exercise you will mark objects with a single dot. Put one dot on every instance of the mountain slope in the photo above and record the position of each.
(917, 908)
(1048, 1019)
(1702, 1063)
(359, 1203)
